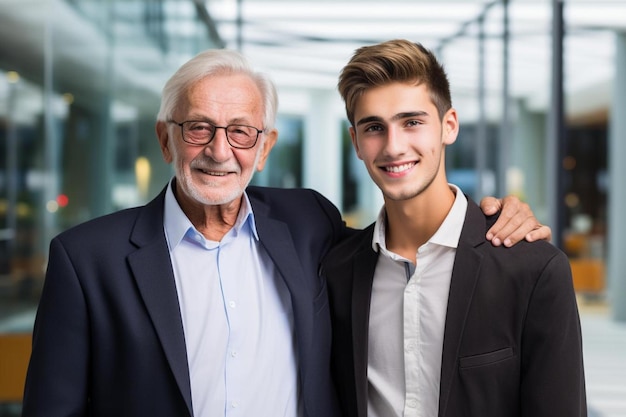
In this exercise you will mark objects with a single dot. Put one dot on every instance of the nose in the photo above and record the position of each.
(218, 148)
(395, 143)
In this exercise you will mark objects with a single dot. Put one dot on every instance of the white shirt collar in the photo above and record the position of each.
(448, 233)
(177, 224)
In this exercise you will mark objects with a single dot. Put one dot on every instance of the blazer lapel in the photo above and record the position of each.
(278, 242)
(152, 269)
(464, 278)
(362, 279)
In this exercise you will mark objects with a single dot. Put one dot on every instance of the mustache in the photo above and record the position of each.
(207, 164)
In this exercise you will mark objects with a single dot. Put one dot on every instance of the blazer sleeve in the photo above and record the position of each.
(552, 379)
(57, 378)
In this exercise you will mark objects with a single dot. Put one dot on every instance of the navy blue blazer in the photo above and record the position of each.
(512, 342)
(108, 337)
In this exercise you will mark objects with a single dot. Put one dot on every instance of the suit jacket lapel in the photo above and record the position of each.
(464, 278)
(152, 269)
(363, 277)
(278, 242)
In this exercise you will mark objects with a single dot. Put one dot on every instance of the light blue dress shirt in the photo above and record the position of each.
(237, 317)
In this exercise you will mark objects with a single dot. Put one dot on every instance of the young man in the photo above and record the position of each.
(429, 319)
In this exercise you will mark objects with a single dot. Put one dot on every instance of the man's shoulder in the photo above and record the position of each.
(522, 249)
(107, 223)
(288, 202)
(477, 224)
(356, 242)
(522, 257)
(520, 260)
(120, 220)
(531, 253)
(285, 195)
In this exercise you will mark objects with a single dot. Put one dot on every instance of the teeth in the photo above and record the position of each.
(219, 174)
(399, 168)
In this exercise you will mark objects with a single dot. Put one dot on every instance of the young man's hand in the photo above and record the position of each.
(516, 222)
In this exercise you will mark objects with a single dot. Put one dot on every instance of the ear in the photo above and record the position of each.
(268, 144)
(355, 143)
(164, 138)
(450, 127)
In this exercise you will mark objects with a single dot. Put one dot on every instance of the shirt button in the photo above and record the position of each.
(411, 404)
(232, 304)
(234, 353)
(234, 404)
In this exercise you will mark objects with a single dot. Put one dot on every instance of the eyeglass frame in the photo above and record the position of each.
(182, 133)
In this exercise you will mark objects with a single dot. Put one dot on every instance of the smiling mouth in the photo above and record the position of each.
(400, 168)
(214, 173)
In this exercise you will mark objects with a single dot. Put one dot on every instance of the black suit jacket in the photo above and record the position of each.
(512, 341)
(108, 337)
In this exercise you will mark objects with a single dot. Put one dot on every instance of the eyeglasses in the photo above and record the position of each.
(202, 133)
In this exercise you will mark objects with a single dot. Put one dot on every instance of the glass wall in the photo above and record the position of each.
(76, 120)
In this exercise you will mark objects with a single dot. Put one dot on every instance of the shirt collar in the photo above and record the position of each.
(448, 233)
(177, 224)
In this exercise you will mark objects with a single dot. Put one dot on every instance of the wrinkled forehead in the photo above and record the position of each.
(227, 97)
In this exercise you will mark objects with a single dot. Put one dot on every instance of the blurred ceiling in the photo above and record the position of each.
(304, 44)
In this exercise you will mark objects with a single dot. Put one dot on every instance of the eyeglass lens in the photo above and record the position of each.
(202, 133)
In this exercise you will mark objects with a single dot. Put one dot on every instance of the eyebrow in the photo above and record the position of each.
(399, 116)
(202, 118)
(199, 117)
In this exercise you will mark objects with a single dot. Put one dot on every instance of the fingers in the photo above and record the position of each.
(516, 220)
(541, 232)
(490, 205)
(513, 232)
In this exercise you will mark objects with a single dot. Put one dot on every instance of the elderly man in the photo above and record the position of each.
(206, 301)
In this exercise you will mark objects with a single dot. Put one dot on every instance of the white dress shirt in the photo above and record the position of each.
(407, 319)
(237, 318)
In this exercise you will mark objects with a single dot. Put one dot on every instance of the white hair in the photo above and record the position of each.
(216, 62)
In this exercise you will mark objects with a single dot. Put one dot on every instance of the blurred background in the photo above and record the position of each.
(539, 85)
